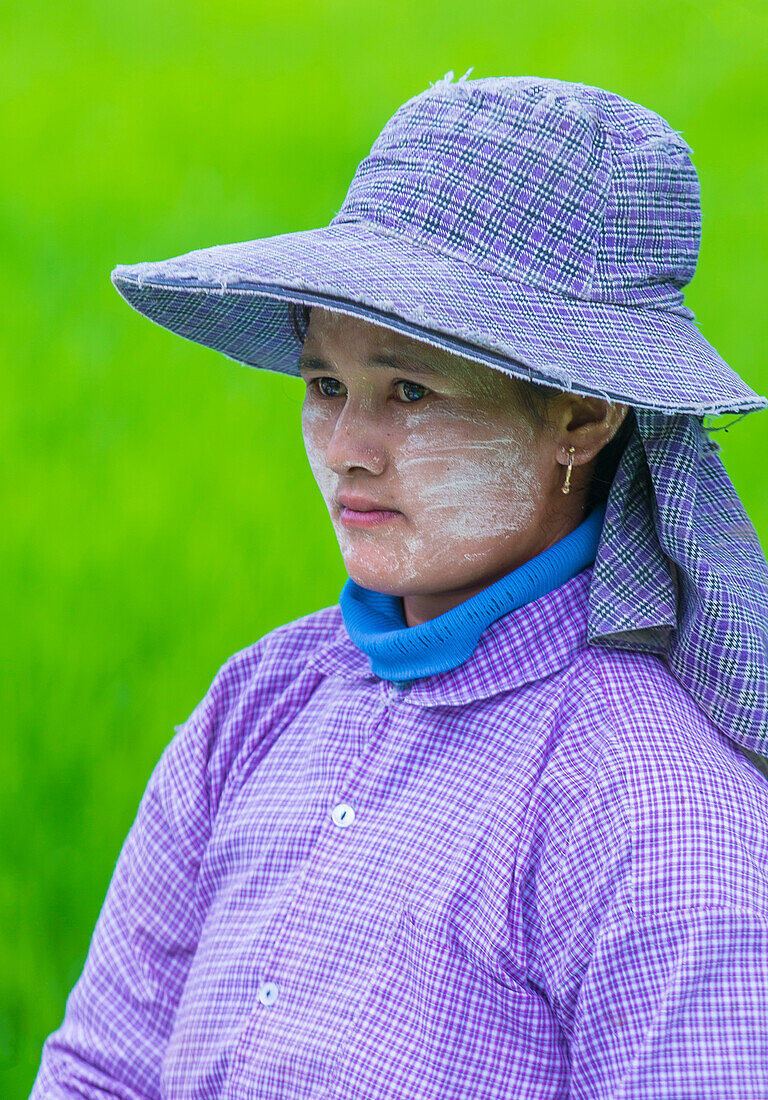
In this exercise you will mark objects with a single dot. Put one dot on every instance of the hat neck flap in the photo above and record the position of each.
(680, 571)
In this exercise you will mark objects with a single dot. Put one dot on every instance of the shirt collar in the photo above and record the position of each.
(522, 645)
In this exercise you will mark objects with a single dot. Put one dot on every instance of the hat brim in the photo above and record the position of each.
(234, 298)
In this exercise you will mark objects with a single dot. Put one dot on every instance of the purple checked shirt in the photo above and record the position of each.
(541, 874)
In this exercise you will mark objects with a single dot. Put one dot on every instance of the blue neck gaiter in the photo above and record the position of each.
(376, 624)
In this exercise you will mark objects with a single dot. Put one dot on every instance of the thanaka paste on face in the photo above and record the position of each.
(465, 468)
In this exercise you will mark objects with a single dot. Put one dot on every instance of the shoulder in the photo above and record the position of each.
(651, 720)
(278, 656)
(269, 664)
(690, 809)
(254, 691)
(251, 698)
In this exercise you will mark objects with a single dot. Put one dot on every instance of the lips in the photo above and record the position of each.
(362, 504)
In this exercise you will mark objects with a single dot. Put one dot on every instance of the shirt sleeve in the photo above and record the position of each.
(119, 1015)
(675, 1006)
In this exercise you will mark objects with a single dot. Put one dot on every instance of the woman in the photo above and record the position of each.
(487, 827)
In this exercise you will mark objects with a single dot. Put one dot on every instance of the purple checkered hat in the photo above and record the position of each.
(532, 224)
(545, 229)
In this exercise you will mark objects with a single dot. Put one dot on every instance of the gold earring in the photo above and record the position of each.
(567, 486)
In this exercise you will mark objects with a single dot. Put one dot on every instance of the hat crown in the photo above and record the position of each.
(562, 186)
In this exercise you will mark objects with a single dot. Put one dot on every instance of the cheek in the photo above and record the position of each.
(317, 431)
(479, 479)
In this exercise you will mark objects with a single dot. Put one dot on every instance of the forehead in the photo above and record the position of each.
(339, 330)
(339, 339)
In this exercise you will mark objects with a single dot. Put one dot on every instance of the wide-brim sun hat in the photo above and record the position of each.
(528, 223)
(545, 229)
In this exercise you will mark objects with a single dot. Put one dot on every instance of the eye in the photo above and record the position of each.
(319, 382)
(412, 386)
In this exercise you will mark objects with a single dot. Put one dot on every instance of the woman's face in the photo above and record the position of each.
(441, 443)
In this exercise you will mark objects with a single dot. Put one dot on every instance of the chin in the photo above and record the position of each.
(376, 581)
(378, 578)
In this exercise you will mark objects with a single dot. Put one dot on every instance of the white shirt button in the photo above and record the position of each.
(267, 993)
(343, 814)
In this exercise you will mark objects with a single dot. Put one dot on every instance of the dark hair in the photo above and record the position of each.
(298, 314)
(535, 400)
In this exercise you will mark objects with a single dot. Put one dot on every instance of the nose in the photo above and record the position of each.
(357, 441)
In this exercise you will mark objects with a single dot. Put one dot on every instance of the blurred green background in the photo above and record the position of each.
(158, 510)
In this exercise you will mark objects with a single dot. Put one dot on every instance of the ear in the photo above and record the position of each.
(587, 424)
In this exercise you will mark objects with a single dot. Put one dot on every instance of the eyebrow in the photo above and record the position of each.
(400, 361)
